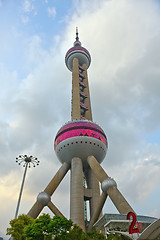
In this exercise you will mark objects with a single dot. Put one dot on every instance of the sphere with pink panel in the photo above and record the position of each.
(79, 52)
(80, 138)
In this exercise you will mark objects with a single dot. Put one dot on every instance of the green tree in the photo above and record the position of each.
(38, 228)
(77, 233)
(117, 236)
(95, 235)
(59, 225)
(74, 233)
(45, 227)
(18, 225)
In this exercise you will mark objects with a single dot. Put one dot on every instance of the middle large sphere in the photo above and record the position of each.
(80, 138)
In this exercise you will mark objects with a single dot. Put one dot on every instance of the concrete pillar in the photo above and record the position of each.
(117, 198)
(37, 207)
(93, 184)
(75, 90)
(51, 187)
(119, 201)
(55, 210)
(77, 193)
(87, 102)
(35, 210)
(97, 169)
(97, 211)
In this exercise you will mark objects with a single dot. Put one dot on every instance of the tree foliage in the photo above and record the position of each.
(18, 225)
(77, 233)
(45, 227)
(117, 236)
(38, 228)
(74, 233)
(57, 228)
(59, 225)
(95, 235)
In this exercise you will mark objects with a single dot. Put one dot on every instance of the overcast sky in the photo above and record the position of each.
(123, 38)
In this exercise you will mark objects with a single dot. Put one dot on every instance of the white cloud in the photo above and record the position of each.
(25, 19)
(51, 11)
(27, 6)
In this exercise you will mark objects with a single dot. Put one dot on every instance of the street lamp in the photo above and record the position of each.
(27, 162)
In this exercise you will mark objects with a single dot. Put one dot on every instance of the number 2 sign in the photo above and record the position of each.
(133, 223)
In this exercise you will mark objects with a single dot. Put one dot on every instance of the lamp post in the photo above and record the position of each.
(27, 162)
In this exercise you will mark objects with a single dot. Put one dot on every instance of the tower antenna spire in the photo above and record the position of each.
(77, 38)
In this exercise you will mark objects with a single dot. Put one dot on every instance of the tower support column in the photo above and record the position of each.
(93, 183)
(97, 211)
(117, 198)
(77, 193)
(51, 187)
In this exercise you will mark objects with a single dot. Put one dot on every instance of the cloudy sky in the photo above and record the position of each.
(123, 38)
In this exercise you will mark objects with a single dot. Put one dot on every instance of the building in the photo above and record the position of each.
(118, 223)
(81, 145)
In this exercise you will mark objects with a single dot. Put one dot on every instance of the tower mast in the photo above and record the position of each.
(78, 60)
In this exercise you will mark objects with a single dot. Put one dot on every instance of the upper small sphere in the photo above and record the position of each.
(78, 52)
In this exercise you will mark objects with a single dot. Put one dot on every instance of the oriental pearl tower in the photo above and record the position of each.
(81, 146)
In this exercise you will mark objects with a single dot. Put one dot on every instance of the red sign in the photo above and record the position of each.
(132, 228)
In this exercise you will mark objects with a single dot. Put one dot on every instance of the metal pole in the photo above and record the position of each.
(20, 194)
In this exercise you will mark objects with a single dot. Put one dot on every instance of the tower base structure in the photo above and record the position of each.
(79, 193)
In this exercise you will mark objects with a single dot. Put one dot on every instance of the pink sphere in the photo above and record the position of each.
(80, 53)
(80, 138)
